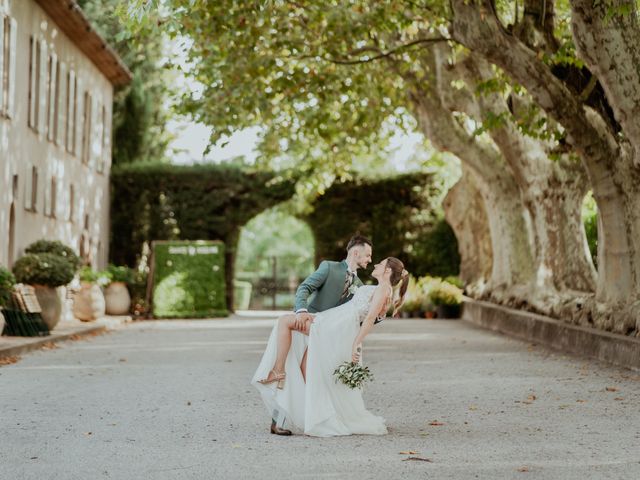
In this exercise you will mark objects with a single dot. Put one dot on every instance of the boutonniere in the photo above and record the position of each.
(352, 289)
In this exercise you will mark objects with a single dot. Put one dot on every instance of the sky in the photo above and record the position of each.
(192, 139)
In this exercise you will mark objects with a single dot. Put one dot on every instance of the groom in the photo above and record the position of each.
(332, 284)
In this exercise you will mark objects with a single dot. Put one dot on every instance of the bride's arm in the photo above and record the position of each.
(378, 303)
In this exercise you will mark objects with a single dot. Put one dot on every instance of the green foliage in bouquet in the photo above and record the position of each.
(55, 247)
(7, 281)
(445, 294)
(46, 269)
(353, 375)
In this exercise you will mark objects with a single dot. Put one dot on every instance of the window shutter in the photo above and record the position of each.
(47, 195)
(33, 69)
(42, 87)
(71, 112)
(28, 185)
(13, 47)
(53, 97)
(62, 104)
(4, 76)
(79, 123)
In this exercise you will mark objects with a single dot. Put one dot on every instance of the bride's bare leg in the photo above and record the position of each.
(285, 325)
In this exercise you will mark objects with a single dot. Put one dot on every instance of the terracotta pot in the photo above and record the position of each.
(117, 298)
(50, 303)
(88, 303)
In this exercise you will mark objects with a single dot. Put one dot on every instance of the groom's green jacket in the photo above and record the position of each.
(322, 289)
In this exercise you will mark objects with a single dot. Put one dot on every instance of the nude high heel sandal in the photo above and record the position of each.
(277, 377)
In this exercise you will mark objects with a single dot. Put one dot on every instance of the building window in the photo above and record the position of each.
(8, 36)
(86, 128)
(53, 95)
(72, 203)
(34, 75)
(38, 85)
(51, 194)
(102, 131)
(31, 192)
(72, 107)
(61, 105)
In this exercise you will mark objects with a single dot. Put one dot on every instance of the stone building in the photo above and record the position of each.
(57, 78)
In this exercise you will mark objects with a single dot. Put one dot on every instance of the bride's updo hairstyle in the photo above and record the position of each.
(399, 278)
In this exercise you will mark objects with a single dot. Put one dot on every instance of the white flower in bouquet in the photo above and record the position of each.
(352, 289)
(353, 375)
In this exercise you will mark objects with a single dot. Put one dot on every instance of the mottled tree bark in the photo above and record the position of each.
(465, 211)
(512, 270)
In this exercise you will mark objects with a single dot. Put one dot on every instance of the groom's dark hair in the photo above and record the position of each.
(358, 239)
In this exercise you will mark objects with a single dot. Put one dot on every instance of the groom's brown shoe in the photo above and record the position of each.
(279, 431)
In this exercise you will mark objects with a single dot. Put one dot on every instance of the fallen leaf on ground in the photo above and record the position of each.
(122, 360)
(581, 401)
(408, 452)
(619, 398)
(436, 423)
(530, 399)
(49, 346)
(9, 360)
(473, 407)
(611, 389)
(523, 469)
(418, 459)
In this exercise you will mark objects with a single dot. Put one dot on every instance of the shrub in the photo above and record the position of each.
(44, 269)
(89, 275)
(453, 280)
(445, 294)
(7, 281)
(138, 289)
(118, 274)
(56, 248)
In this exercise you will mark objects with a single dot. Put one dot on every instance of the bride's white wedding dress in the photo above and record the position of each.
(321, 407)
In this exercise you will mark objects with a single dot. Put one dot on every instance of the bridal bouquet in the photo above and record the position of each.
(353, 375)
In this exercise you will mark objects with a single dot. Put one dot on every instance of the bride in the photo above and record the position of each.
(310, 399)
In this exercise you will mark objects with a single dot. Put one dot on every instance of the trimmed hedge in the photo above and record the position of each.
(189, 279)
(156, 201)
(396, 214)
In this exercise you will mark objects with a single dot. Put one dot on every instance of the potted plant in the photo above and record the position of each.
(116, 293)
(448, 300)
(412, 300)
(45, 272)
(88, 302)
(7, 281)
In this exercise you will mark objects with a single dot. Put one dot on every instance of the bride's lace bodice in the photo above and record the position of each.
(361, 301)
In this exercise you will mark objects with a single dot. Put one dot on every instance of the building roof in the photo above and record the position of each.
(73, 22)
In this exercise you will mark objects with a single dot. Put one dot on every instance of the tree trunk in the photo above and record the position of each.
(465, 211)
(512, 270)
(551, 191)
(605, 159)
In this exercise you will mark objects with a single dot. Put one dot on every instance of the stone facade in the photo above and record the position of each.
(55, 129)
